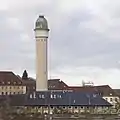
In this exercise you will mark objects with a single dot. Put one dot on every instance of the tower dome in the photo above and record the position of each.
(41, 23)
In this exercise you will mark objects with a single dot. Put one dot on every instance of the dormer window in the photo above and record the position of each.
(51, 96)
(110, 93)
(60, 96)
(54, 96)
(14, 82)
(40, 96)
(8, 82)
(31, 96)
(43, 96)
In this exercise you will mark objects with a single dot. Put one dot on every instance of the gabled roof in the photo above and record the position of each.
(83, 88)
(104, 90)
(56, 84)
(9, 78)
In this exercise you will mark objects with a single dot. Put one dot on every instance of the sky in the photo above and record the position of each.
(84, 39)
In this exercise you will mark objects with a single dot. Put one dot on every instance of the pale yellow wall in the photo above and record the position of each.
(12, 89)
(71, 109)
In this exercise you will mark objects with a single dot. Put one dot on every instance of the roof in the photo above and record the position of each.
(117, 91)
(56, 84)
(41, 23)
(59, 99)
(9, 78)
(29, 81)
(104, 90)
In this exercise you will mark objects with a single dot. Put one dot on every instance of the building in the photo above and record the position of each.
(41, 35)
(60, 101)
(47, 95)
(11, 84)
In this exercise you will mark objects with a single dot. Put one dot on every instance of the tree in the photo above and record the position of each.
(25, 75)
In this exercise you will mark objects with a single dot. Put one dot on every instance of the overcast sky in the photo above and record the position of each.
(84, 39)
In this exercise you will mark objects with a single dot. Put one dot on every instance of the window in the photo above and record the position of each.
(64, 107)
(18, 87)
(10, 87)
(111, 99)
(116, 99)
(2, 93)
(69, 107)
(106, 98)
(58, 107)
(51, 96)
(13, 92)
(110, 93)
(54, 96)
(75, 107)
(14, 82)
(59, 96)
(40, 96)
(6, 93)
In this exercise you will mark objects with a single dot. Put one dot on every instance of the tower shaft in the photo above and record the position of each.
(41, 64)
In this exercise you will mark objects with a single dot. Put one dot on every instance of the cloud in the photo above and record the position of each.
(84, 38)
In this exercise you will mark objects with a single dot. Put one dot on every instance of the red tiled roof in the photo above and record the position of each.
(56, 84)
(105, 90)
(9, 78)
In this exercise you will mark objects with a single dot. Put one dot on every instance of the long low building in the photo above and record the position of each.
(61, 98)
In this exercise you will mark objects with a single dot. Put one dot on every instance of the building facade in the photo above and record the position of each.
(11, 84)
(50, 102)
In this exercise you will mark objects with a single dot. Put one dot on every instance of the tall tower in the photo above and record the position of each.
(41, 35)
